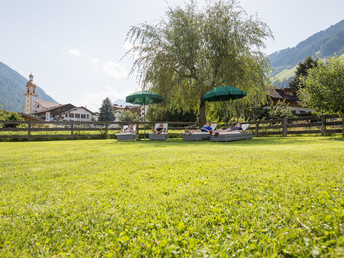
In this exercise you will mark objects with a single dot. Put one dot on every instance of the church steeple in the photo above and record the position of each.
(30, 96)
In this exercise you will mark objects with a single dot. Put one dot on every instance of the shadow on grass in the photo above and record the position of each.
(249, 142)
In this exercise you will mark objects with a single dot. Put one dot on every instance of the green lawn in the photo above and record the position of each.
(259, 197)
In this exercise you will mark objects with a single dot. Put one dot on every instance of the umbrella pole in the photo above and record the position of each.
(144, 122)
(224, 112)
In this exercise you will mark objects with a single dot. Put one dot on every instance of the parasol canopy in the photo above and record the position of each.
(223, 93)
(144, 98)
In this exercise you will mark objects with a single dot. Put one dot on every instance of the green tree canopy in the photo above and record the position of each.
(192, 51)
(106, 111)
(324, 87)
(159, 114)
(9, 116)
(128, 116)
(302, 70)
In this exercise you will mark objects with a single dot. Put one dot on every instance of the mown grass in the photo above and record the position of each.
(260, 197)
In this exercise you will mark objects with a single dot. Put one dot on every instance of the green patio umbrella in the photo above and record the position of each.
(144, 98)
(223, 93)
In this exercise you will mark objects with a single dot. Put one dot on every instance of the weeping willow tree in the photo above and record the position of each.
(195, 50)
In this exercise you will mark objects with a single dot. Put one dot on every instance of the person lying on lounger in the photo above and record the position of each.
(160, 129)
(236, 128)
(206, 128)
(129, 129)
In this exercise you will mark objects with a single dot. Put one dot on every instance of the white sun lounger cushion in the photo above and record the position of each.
(124, 133)
(127, 133)
(213, 126)
(245, 127)
(229, 133)
(165, 125)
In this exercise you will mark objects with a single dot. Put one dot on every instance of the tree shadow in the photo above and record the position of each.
(255, 141)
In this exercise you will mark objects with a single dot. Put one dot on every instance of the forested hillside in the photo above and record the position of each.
(12, 89)
(320, 45)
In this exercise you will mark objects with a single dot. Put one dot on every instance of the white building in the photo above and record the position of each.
(50, 111)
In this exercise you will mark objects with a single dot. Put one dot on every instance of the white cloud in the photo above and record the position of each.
(115, 70)
(95, 60)
(93, 100)
(74, 52)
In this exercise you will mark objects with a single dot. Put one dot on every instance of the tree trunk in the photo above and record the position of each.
(202, 118)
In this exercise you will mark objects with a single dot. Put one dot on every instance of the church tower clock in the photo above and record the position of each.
(30, 96)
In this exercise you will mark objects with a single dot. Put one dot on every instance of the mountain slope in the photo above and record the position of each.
(320, 45)
(12, 89)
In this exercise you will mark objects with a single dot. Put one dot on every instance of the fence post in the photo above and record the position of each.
(137, 131)
(106, 130)
(285, 126)
(257, 128)
(323, 124)
(29, 131)
(72, 131)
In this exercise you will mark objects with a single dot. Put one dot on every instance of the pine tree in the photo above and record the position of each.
(301, 71)
(106, 111)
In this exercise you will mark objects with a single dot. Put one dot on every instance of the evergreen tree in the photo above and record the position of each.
(301, 71)
(106, 111)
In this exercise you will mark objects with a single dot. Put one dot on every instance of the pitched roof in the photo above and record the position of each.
(77, 108)
(57, 109)
(61, 109)
(283, 94)
(30, 117)
(46, 104)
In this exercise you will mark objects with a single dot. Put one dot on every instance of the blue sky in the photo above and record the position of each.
(74, 47)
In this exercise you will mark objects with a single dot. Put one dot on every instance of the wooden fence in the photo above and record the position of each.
(322, 125)
(26, 130)
(29, 130)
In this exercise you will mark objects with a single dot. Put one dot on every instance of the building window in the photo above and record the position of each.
(77, 115)
(71, 115)
(87, 116)
(83, 116)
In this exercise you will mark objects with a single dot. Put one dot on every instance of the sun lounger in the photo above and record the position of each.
(159, 136)
(126, 136)
(198, 136)
(232, 136)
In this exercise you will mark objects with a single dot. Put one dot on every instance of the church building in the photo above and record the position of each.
(50, 111)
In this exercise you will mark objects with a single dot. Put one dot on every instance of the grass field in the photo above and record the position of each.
(260, 197)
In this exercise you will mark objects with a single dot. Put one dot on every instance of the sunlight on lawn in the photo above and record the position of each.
(265, 196)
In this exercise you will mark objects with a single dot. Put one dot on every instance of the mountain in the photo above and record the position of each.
(12, 89)
(323, 44)
(121, 102)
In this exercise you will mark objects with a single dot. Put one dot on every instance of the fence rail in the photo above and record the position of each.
(324, 125)
(31, 130)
